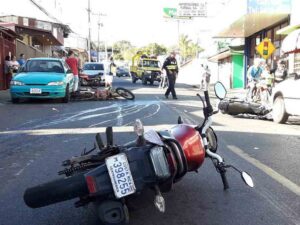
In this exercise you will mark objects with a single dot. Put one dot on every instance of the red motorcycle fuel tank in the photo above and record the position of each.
(191, 143)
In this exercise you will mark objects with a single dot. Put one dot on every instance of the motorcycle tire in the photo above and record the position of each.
(56, 191)
(125, 93)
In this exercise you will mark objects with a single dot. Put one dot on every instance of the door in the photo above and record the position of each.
(238, 71)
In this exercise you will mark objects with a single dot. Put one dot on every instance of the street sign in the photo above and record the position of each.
(265, 48)
(170, 12)
(192, 9)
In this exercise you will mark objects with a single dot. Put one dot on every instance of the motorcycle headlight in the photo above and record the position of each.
(159, 162)
(16, 83)
(148, 71)
(57, 83)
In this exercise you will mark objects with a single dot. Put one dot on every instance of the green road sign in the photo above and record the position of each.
(170, 12)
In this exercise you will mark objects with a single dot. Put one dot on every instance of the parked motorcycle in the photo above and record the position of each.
(107, 174)
(91, 80)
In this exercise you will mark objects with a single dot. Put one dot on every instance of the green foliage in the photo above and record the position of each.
(188, 49)
(154, 49)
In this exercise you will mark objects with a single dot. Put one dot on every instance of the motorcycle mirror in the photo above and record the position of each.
(220, 90)
(99, 141)
(138, 127)
(109, 136)
(247, 179)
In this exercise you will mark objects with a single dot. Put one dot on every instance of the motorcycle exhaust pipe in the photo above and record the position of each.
(56, 191)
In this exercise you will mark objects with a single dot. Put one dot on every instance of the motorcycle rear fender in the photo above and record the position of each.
(99, 182)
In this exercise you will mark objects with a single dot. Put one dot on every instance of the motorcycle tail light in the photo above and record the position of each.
(159, 162)
(91, 184)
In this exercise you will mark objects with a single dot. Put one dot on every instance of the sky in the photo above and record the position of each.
(138, 21)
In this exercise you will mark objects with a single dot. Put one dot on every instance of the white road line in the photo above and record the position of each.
(272, 173)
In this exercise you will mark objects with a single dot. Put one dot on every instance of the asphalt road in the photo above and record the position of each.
(36, 136)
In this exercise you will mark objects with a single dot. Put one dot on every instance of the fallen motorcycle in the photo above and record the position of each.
(108, 174)
(89, 93)
(260, 108)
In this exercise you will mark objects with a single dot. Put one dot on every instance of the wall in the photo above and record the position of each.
(29, 51)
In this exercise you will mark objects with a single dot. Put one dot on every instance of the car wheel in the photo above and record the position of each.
(134, 79)
(144, 80)
(66, 99)
(14, 100)
(279, 113)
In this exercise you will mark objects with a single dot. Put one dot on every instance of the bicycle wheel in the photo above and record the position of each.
(125, 93)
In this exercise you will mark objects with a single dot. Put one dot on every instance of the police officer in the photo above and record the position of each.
(171, 67)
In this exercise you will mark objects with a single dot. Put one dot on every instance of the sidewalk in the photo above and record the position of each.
(4, 97)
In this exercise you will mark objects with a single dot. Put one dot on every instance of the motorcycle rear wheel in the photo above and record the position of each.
(125, 93)
(56, 191)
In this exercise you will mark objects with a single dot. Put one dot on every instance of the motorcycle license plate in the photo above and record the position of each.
(120, 175)
(35, 91)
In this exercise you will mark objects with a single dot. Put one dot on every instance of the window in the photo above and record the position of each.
(44, 66)
(93, 67)
(25, 22)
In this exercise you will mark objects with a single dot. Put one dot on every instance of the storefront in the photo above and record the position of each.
(7, 48)
(256, 21)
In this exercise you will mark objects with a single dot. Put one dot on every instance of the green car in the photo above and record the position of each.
(43, 78)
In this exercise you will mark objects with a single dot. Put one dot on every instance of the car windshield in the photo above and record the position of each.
(93, 67)
(44, 66)
(150, 63)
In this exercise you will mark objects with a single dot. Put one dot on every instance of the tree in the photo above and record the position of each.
(188, 49)
(154, 49)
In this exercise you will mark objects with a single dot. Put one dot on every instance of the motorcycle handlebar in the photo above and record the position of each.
(224, 179)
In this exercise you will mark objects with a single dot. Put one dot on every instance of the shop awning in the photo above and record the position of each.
(291, 43)
(250, 24)
(288, 29)
(232, 50)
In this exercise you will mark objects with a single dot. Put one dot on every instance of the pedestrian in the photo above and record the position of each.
(21, 59)
(72, 62)
(171, 67)
(281, 71)
(8, 71)
(112, 72)
(14, 63)
(205, 77)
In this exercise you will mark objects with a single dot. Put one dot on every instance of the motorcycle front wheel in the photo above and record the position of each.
(125, 93)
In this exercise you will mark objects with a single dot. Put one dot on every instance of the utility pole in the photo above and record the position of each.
(89, 24)
(99, 14)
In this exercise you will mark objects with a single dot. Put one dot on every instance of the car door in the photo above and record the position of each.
(291, 95)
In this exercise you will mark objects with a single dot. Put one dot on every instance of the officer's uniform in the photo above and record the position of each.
(171, 67)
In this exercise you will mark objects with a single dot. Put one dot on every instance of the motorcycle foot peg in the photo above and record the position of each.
(112, 212)
(159, 200)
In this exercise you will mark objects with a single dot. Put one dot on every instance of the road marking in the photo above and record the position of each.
(272, 173)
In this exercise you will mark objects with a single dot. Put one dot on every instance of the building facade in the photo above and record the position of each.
(252, 21)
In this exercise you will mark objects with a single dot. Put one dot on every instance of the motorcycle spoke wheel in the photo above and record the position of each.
(125, 93)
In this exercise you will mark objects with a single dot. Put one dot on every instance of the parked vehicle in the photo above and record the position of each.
(145, 68)
(155, 160)
(42, 78)
(286, 99)
(122, 72)
(92, 74)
